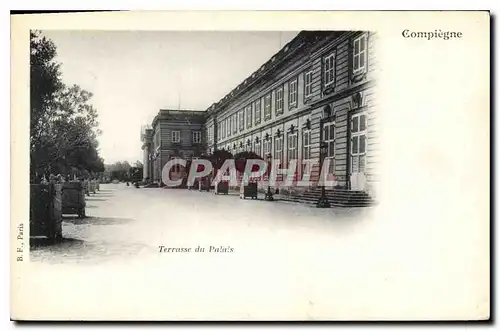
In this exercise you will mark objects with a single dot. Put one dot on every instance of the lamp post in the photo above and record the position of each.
(269, 194)
(323, 200)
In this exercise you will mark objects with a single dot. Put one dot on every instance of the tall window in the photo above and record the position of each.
(242, 120)
(278, 148)
(257, 112)
(219, 128)
(267, 147)
(308, 80)
(292, 93)
(292, 146)
(229, 124)
(196, 137)
(235, 123)
(223, 129)
(211, 134)
(359, 55)
(249, 115)
(329, 139)
(306, 146)
(267, 107)
(256, 147)
(279, 101)
(358, 142)
(329, 70)
(176, 136)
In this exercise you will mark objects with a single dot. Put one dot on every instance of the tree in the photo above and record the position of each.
(45, 82)
(118, 170)
(63, 126)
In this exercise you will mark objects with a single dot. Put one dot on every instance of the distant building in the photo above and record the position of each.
(173, 134)
(318, 89)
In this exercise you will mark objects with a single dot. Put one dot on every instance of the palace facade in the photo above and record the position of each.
(317, 90)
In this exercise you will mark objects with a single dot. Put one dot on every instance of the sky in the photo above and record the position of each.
(134, 74)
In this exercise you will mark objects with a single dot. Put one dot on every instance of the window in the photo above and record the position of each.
(292, 146)
(358, 131)
(306, 146)
(223, 129)
(279, 101)
(278, 148)
(256, 148)
(176, 168)
(176, 136)
(267, 147)
(358, 143)
(210, 133)
(229, 126)
(329, 70)
(257, 112)
(242, 120)
(358, 123)
(292, 93)
(359, 55)
(329, 139)
(196, 137)
(235, 123)
(267, 107)
(249, 116)
(308, 80)
(248, 147)
(219, 128)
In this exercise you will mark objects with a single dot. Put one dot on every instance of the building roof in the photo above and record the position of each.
(304, 38)
(178, 114)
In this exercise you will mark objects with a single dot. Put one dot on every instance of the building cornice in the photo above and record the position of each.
(165, 114)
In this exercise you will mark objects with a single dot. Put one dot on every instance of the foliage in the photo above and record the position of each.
(118, 166)
(63, 124)
(242, 158)
(219, 157)
(118, 170)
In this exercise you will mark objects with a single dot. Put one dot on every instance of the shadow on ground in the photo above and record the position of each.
(41, 242)
(95, 199)
(97, 220)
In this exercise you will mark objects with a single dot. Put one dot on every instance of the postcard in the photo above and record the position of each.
(250, 166)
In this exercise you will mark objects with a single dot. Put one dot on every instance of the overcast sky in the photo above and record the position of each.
(134, 74)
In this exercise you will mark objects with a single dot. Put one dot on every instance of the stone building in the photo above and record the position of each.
(317, 90)
(173, 134)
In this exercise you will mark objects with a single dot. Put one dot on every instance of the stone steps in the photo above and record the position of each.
(337, 198)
